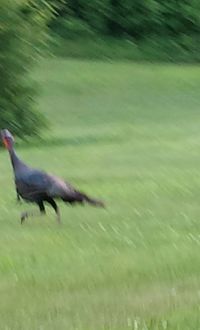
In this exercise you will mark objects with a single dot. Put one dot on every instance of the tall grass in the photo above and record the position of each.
(184, 49)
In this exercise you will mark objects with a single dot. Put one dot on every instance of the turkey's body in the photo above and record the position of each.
(35, 185)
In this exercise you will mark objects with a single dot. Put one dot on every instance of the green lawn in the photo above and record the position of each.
(128, 134)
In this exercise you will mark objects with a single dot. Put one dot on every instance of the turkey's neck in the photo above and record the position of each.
(14, 159)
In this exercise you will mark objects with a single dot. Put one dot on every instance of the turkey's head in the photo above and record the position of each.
(7, 139)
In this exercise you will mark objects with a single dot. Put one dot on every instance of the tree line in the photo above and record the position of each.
(135, 18)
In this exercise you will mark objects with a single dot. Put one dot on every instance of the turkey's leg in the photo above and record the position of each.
(55, 207)
(33, 213)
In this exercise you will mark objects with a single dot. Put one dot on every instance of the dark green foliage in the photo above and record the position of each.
(22, 36)
(72, 28)
(129, 29)
(136, 18)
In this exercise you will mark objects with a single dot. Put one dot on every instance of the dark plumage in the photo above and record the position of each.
(38, 187)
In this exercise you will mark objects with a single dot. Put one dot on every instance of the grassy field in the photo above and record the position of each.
(128, 134)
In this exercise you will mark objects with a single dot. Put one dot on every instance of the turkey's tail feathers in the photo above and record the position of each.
(79, 197)
(93, 201)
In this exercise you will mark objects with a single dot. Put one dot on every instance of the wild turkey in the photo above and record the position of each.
(38, 187)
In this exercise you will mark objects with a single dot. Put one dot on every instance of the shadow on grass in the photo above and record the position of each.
(68, 141)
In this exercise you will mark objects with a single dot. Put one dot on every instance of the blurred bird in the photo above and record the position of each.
(38, 187)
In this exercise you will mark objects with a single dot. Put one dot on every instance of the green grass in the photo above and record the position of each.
(128, 134)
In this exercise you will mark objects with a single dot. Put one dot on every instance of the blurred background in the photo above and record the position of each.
(104, 94)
